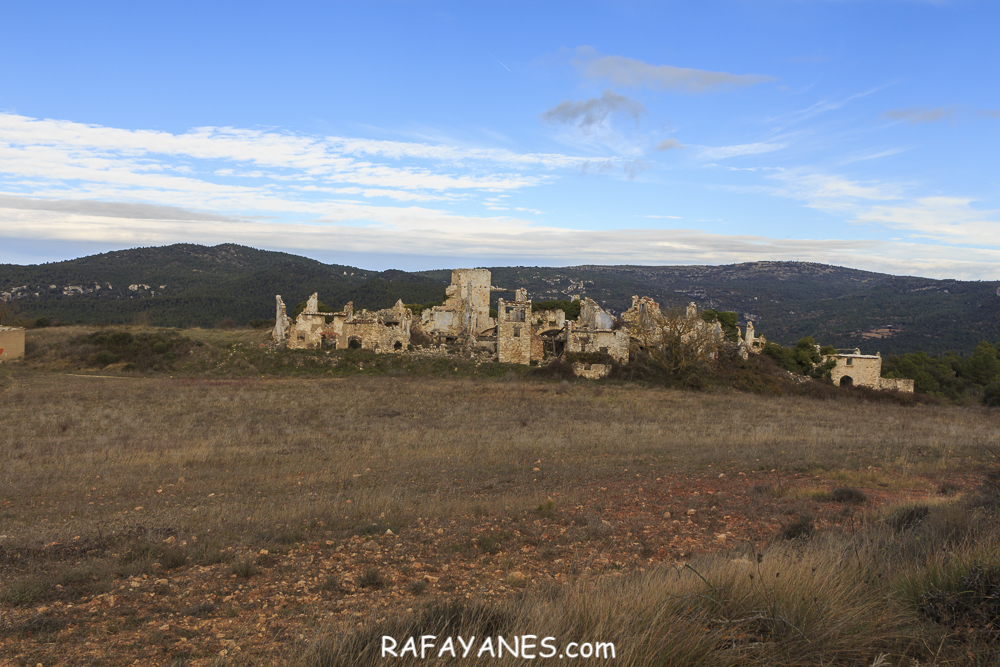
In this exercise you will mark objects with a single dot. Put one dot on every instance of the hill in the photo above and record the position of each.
(184, 284)
(788, 300)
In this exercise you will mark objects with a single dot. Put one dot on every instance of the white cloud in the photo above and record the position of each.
(831, 192)
(416, 231)
(284, 171)
(948, 219)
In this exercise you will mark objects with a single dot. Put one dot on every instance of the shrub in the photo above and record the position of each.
(972, 606)
(848, 495)
(558, 368)
(41, 323)
(172, 558)
(103, 358)
(372, 578)
(244, 569)
(804, 526)
(907, 517)
(488, 544)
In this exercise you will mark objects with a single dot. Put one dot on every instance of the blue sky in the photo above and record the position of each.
(418, 135)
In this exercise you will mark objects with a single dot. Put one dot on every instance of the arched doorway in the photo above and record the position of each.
(847, 381)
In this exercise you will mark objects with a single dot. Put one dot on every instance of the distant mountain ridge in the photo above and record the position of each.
(187, 284)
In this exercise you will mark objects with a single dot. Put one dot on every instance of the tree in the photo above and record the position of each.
(676, 342)
(727, 319)
(982, 367)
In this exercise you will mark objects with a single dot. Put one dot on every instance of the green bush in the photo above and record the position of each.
(571, 308)
(103, 358)
(141, 352)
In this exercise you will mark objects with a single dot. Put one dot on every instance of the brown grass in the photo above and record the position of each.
(135, 476)
(242, 457)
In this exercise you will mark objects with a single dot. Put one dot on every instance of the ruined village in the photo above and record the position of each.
(520, 335)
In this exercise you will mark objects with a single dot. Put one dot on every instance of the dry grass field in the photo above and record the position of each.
(202, 519)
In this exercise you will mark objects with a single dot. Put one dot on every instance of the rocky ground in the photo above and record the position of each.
(264, 607)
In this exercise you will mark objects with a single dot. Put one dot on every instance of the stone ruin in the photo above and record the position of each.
(518, 335)
(385, 330)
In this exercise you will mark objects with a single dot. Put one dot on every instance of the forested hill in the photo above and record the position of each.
(789, 300)
(184, 284)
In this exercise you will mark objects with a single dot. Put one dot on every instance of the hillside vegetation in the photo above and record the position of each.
(184, 285)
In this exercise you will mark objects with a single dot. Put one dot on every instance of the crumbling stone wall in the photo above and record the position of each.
(307, 332)
(904, 385)
(591, 371)
(11, 343)
(643, 315)
(605, 341)
(592, 316)
(383, 331)
(466, 310)
(282, 322)
(546, 320)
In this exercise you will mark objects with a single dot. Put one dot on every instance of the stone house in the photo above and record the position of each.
(864, 370)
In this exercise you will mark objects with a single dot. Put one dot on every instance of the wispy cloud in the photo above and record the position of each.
(832, 192)
(723, 152)
(917, 115)
(242, 170)
(623, 71)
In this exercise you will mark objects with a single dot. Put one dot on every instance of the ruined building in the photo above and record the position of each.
(750, 343)
(518, 335)
(466, 310)
(521, 335)
(385, 330)
(864, 370)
